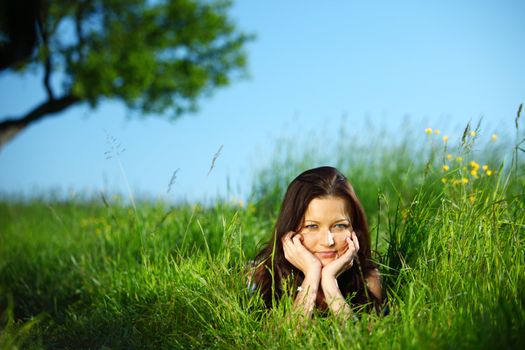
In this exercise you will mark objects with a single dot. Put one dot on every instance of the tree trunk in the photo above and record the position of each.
(10, 127)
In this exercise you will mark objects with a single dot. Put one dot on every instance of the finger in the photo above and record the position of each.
(351, 247)
(351, 254)
(299, 236)
(287, 236)
(348, 241)
(355, 240)
(344, 255)
(346, 260)
(285, 245)
(289, 250)
(297, 240)
(288, 245)
(287, 242)
(293, 244)
(298, 246)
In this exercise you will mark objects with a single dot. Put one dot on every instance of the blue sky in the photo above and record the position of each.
(442, 63)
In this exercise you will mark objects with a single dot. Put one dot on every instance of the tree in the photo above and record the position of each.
(155, 56)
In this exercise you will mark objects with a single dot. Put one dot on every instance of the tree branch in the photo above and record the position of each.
(79, 14)
(47, 76)
(10, 127)
(47, 64)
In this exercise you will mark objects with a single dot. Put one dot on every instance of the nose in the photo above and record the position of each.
(329, 238)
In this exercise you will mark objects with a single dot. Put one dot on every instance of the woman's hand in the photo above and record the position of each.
(298, 255)
(301, 258)
(333, 296)
(345, 261)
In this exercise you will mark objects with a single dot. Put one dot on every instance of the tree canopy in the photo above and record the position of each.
(155, 56)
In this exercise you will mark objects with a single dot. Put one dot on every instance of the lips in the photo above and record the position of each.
(327, 254)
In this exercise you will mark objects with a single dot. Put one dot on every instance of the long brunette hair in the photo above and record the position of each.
(273, 269)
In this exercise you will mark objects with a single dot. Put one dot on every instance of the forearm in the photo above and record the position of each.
(307, 294)
(334, 298)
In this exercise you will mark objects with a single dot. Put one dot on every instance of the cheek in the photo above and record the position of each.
(340, 242)
(309, 241)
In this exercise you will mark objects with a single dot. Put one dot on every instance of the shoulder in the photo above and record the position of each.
(250, 275)
(373, 282)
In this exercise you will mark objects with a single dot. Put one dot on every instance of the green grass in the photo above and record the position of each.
(100, 274)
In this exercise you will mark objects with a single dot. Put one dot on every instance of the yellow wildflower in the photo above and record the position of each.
(474, 173)
(472, 198)
(445, 167)
(464, 180)
(474, 165)
(485, 167)
(459, 159)
(449, 156)
(444, 180)
(428, 131)
(473, 133)
(489, 172)
(436, 132)
(494, 137)
(445, 138)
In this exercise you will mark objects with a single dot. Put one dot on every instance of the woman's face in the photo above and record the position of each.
(326, 225)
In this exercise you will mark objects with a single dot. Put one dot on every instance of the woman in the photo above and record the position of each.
(321, 246)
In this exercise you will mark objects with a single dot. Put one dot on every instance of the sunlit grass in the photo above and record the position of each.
(449, 237)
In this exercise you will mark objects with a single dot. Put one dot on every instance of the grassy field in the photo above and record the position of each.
(447, 223)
